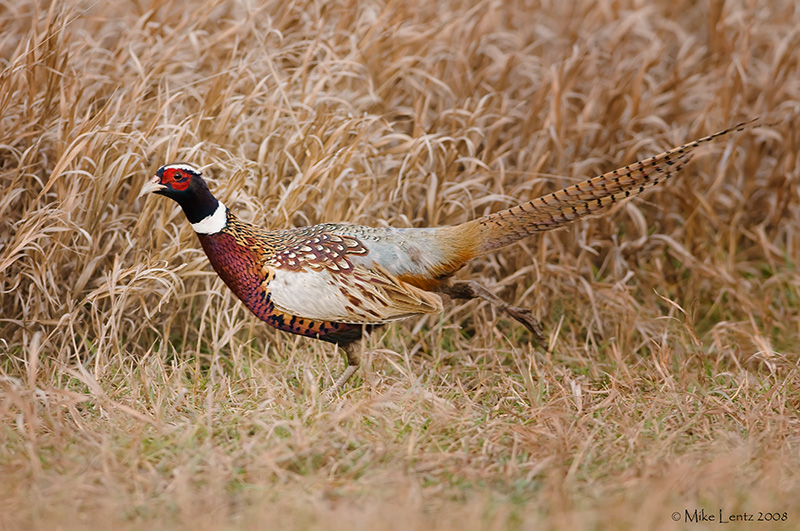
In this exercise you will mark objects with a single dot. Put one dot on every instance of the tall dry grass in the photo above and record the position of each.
(135, 391)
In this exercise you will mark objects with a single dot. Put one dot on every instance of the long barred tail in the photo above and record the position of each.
(590, 197)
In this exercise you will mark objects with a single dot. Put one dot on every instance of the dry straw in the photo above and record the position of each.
(137, 392)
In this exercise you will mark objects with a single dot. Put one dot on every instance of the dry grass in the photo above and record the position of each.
(136, 392)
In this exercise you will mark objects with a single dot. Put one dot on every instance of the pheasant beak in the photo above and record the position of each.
(153, 185)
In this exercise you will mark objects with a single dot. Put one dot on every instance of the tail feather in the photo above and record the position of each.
(587, 198)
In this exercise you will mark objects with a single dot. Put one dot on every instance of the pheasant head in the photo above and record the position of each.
(184, 184)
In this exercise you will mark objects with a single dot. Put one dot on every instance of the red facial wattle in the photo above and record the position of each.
(176, 179)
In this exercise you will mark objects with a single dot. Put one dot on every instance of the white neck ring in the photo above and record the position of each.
(214, 223)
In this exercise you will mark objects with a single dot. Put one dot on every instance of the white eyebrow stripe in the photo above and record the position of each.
(184, 167)
(214, 223)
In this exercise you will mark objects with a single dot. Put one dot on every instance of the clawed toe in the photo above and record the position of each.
(526, 318)
(351, 355)
(340, 381)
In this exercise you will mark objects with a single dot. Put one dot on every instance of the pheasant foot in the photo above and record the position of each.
(353, 362)
(470, 290)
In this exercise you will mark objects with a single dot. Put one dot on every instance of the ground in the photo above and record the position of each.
(136, 392)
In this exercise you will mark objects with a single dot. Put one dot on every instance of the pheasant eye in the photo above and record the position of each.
(177, 179)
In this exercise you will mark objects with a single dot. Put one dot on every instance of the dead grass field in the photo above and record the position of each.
(135, 392)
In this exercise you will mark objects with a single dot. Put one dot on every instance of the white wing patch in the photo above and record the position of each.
(364, 296)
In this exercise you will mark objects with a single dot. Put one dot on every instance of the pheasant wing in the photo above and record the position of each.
(316, 278)
(356, 295)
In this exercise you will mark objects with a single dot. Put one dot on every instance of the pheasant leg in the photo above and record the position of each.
(353, 361)
(470, 290)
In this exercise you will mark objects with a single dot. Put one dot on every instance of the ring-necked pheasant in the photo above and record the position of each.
(333, 282)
